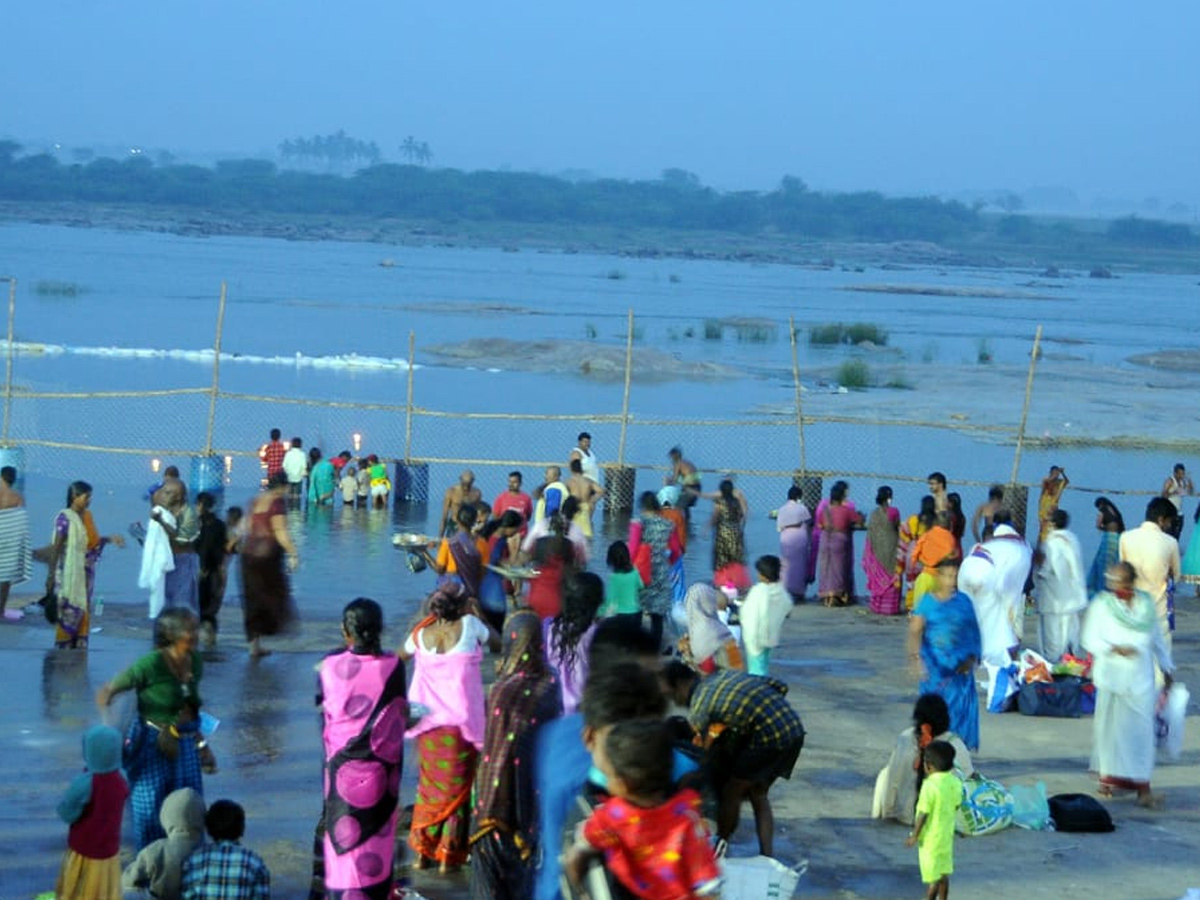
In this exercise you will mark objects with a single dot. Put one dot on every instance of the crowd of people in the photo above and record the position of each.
(568, 769)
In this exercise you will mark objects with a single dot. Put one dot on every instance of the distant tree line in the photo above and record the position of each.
(677, 200)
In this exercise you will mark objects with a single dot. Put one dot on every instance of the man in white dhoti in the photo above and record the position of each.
(1012, 558)
(1154, 555)
(1061, 588)
(1121, 632)
(15, 559)
(977, 579)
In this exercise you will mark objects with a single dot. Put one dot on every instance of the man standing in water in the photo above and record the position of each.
(272, 453)
(457, 495)
(587, 492)
(550, 494)
(587, 459)
(515, 499)
(683, 475)
(14, 540)
(295, 464)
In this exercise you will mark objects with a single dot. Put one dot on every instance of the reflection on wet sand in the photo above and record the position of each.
(67, 691)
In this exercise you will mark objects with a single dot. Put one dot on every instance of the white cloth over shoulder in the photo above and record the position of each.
(977, 579)
(157, 561)
(1012, 558)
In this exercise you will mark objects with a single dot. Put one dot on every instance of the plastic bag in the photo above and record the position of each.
(1031, 807)
(755, 877)
(1003, 685)
(1034, 667)
(987, 807)
(1169, 719)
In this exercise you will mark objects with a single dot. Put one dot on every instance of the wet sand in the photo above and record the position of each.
(846, 672)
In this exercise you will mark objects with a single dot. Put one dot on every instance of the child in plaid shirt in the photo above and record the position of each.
(224, 869)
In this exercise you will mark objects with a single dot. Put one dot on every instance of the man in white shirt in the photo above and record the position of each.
(1154, 555)
(1175, 488)
(295, 466)
(1061, 583)
(587, 459)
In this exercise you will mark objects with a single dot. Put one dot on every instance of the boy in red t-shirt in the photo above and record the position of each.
(653, 841)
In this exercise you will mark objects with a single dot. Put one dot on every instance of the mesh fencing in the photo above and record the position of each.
(109, 435)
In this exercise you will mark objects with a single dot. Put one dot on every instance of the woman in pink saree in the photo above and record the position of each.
(879, 555)
(361, 694)
(447, 647)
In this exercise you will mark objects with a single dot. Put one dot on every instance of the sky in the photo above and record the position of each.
(931, 97)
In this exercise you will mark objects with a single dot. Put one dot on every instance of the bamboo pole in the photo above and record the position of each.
(1033, 358)
(625, 399)
(796, 381)
(216, 378)
(8, 383)
(408, 411)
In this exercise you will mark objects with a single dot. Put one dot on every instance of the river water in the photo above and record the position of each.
(325, 320)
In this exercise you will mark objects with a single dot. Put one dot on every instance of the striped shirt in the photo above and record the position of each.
(225, 871)
(751, 705)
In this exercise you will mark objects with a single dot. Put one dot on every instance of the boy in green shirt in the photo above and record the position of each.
(937, 809)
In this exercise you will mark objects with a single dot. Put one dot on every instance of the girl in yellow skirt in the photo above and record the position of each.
(93, 806)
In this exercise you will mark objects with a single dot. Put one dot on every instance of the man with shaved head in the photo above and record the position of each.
(457, 495)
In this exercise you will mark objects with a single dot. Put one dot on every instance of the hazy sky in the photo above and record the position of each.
(903, 97)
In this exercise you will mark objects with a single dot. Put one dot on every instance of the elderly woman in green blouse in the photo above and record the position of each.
(165, 750)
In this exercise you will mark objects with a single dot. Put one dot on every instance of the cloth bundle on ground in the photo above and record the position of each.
(1079, 812)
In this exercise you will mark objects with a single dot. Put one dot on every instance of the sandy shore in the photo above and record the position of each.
(846, 672)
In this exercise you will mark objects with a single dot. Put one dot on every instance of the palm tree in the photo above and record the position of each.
(410, 149)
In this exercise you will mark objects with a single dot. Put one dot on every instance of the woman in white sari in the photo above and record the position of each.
(1121, 631)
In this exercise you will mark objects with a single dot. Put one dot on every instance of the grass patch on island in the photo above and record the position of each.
(830, 334)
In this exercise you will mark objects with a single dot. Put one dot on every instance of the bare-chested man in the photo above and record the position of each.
(14, 541)
(985, 511)
(937, 490)
(587, 492)
(464, 492)
(684, 475)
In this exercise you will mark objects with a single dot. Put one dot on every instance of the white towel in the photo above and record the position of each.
(157, 561)
(15, 560)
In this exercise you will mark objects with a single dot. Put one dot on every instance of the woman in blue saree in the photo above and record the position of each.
(1110, 525)
(944, 645)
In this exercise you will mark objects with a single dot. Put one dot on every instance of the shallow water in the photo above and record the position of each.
(326, 301)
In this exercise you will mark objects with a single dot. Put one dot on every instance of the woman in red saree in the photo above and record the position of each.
(835, 559)
(884, 574)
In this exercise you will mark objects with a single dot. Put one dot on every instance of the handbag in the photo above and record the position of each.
(1059, 699)
(49, 605)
